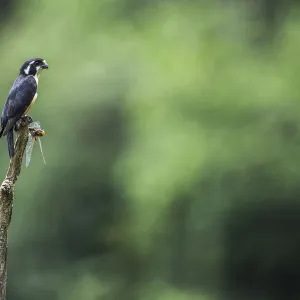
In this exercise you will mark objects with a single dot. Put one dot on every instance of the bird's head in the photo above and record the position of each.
(33, 66)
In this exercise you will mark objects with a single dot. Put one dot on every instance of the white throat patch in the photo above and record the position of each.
(36, 79)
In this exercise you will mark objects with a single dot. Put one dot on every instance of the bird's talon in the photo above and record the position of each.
(27, 119)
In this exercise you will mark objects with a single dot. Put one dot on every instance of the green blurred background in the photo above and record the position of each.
(172, 146)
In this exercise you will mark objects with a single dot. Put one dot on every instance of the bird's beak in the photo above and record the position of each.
(45, 66)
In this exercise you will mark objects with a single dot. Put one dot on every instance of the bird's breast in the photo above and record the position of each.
(34, 98)
(31, 103)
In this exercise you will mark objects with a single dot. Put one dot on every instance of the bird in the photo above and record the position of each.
(21, 97)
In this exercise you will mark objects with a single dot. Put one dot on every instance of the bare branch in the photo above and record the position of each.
(7, 196)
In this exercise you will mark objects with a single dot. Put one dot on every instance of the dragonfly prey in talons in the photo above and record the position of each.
(35, 132)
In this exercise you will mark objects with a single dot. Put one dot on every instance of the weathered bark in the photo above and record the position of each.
(7, 196)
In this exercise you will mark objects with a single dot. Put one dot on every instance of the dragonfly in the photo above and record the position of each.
(35, 132)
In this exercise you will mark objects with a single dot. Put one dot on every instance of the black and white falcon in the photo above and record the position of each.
(20, 98)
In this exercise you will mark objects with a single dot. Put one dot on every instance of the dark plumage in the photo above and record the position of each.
(20, 98)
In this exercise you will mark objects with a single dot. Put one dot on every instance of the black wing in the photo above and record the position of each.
(18, 100)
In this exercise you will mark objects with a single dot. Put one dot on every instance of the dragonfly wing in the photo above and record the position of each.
(40, 143)
(28, 149)
(35, 125)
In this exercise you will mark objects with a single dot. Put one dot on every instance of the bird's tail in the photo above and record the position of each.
(1, 133)
(10, 143)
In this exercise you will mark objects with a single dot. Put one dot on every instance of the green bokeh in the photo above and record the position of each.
(161, 119)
